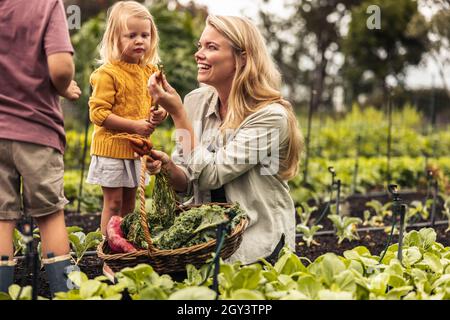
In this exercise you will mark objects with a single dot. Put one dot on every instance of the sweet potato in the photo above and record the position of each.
(116, 240)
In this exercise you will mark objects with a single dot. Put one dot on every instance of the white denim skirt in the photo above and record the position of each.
(115, 173)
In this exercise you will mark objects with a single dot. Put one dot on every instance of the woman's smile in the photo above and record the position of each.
(203, 67)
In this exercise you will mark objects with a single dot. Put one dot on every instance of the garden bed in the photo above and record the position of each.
(374, 240)
(356, 205)
(88, 222)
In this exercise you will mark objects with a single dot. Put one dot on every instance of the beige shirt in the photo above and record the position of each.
(246, 165)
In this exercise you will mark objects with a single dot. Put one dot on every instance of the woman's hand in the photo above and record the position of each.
(163, 94)
(156, 161)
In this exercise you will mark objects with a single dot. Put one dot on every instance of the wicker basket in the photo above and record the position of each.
(168, 261)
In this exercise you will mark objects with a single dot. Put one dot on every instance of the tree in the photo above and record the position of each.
(440, 38)
(305, 44)
(91, 8)
(179, 29)
(372, 55)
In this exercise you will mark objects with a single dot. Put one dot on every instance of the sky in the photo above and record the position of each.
(424, 76)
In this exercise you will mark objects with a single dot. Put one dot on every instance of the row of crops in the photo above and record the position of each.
(356, 149)
(352, 241)
(423, 273)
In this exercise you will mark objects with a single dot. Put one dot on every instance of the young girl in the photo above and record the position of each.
(120, 103)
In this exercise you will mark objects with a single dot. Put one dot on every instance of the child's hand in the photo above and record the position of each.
(73, 92)
(157, 116)
(143, 127)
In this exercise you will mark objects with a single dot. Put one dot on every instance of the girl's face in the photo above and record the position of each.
(215, 59)
(135, 41)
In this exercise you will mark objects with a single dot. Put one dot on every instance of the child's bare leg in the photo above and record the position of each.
(112, 205)
(129, 201)
(53, 232)
(6, 238)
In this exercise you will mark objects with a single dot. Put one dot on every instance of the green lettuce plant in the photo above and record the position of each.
(308, 233)
(81, 242)
(345, 227)
(91, 289)
(14, 291)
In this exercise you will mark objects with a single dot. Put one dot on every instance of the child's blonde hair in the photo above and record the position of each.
(118, 16)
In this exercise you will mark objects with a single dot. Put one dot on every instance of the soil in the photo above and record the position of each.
(357, 206)
(375, 241)
(89, 221)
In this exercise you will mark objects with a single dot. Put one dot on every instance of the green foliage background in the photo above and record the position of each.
(335, 137)
(178, 30)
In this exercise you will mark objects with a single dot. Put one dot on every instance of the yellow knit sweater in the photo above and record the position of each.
(119, 88)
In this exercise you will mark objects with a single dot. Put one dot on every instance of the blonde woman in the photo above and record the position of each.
(246, 143)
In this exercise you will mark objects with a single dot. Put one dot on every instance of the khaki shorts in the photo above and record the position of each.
(40, 170)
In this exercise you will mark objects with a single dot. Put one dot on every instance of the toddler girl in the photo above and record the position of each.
(120, 103)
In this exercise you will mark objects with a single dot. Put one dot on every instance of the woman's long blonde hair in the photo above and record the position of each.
(118, 16)
(256, 84)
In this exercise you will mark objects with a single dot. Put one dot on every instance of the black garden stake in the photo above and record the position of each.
(338, 196)
(332, 187)
(430, 179)
(433, 207)
(398, 210)
(389, 140)
(401, 212)
(335, 185)
(83, 158)
(221, 232)
(355, 171)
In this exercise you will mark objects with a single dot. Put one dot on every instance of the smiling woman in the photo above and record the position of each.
(246, 143)
(215, 59)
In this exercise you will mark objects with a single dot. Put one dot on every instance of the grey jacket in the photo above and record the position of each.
(246, 165)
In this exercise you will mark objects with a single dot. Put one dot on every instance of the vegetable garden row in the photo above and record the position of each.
(343, 243)
(348, 226)
(358, 273)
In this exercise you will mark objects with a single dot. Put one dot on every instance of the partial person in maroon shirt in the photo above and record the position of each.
(36, 68)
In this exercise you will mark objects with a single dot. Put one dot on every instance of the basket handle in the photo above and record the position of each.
(143, 215)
